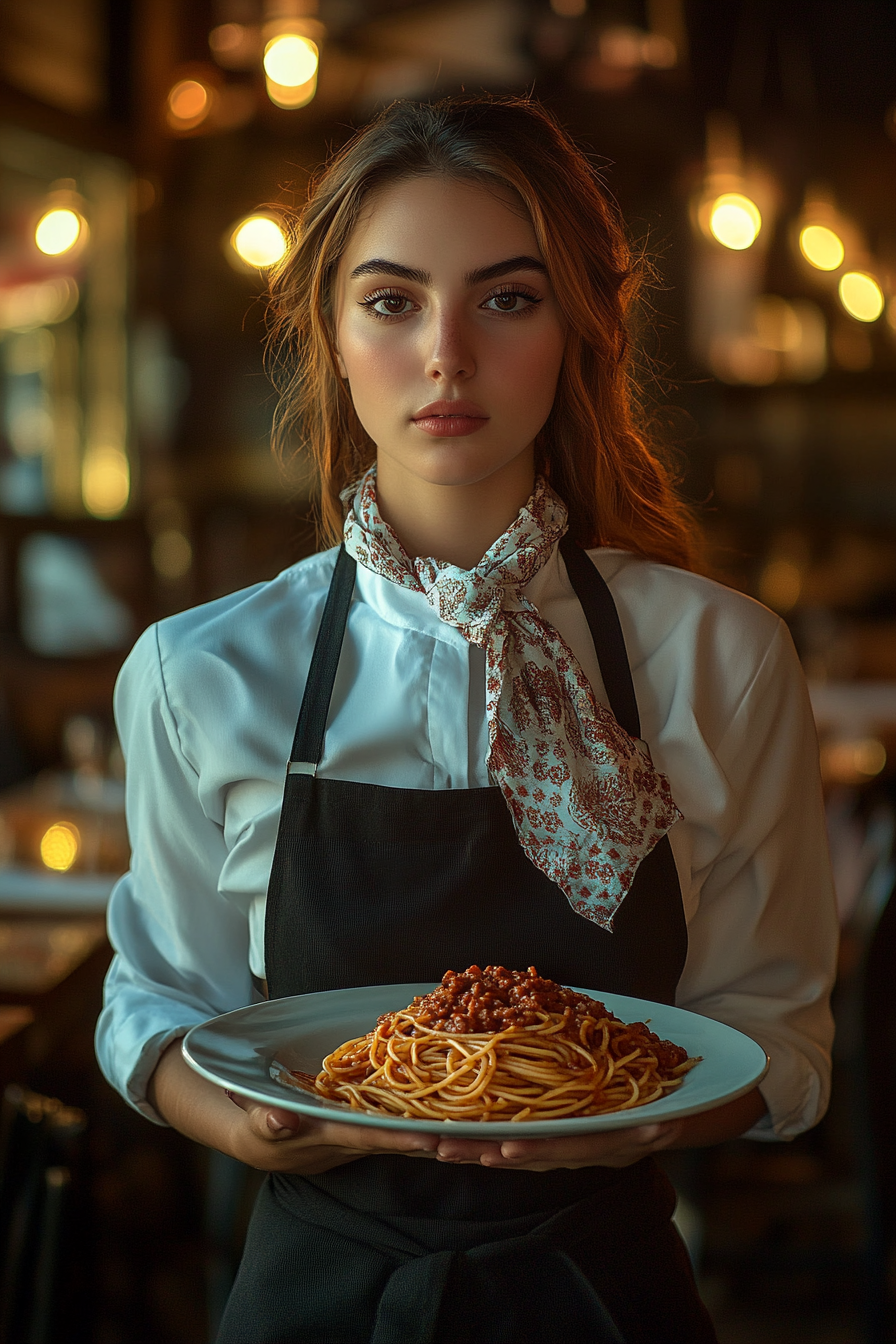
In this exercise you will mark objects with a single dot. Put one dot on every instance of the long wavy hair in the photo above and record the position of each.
(593, 448)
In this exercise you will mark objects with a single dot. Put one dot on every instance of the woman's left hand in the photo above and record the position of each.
(613, 1148)
(609, 1148)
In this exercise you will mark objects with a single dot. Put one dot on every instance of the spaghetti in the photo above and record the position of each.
(499, 1045)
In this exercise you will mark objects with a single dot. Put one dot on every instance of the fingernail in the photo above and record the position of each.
(275, 1126)
(228, 1093)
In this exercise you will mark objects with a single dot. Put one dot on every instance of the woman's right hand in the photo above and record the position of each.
(274, 1139)
(264, 1136)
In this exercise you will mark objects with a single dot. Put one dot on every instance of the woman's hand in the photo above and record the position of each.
(267, 1137)
(609, 1148)
(273, 1139)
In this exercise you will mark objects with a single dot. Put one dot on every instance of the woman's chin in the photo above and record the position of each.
(455, 463)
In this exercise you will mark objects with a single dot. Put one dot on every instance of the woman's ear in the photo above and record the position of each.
(343, 372)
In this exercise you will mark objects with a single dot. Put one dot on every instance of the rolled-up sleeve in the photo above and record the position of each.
(181, 948)
(763, 938)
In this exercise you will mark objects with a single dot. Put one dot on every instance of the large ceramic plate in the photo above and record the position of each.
(237, 1051)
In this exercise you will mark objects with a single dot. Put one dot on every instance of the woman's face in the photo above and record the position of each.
(448, 331)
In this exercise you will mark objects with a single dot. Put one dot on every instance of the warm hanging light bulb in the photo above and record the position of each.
(58, 230)
(822, 247)
(861, 296)
(259, 241)
(734, 221)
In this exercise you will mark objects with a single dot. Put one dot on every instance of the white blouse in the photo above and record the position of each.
(206, 707)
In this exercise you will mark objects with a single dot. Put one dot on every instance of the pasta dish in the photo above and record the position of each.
(502, 1045)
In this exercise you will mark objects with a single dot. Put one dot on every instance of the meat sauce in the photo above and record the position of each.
(493, 999)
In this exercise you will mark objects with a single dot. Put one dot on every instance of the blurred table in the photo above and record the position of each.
(38, 953)
(25, 889)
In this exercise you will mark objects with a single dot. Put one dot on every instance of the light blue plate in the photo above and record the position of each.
(238, 1050)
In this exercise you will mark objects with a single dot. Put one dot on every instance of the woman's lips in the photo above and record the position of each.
(448, 420)
(451, 426)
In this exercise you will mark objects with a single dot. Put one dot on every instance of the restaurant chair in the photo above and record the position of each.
(41, 1148)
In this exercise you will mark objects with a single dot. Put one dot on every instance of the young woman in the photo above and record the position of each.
(511, 750)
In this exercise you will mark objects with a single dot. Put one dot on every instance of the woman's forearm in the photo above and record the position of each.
(190, 1103)
(721, 1123)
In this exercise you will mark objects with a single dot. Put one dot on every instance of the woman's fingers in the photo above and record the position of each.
(616, 1148)
(369, 1138)
(274, 1122)
(468, 1150)
(268, 1122)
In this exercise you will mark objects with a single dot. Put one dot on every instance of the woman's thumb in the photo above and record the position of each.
(282, 1124)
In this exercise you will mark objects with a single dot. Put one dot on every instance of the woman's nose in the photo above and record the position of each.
(450, 355)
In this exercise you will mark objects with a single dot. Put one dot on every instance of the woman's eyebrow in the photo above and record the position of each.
(500, 268)
(380, 266)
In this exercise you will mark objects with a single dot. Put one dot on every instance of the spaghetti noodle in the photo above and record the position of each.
(500, 1045)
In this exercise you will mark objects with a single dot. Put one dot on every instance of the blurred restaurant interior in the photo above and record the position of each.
(146, 147)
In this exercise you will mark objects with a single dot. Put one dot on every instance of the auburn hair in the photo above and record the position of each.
(593, 448)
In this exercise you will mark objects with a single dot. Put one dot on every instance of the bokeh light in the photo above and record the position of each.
(105, 481)
(852, 761)
(821, 247)
(291, 60)
(172, 554)
(861, 296)
(735, 221)
(59, 846)
(226, 37)
(259, 241)
(189, 103)
(780, 584)
(57, 231)
(24, 307)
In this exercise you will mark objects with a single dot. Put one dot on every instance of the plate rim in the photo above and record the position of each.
(558, 1128)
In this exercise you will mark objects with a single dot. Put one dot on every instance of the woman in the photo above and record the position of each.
(451, 326)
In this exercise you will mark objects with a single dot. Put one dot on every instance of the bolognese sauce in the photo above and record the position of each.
(493, 999)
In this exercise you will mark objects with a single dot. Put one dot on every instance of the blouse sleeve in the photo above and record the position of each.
(181, 948)
(763, 939)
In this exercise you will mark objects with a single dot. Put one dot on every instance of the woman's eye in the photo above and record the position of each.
(514, 302)
(388, 305)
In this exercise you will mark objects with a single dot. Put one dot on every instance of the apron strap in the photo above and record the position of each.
(308, 743)
(603, 619)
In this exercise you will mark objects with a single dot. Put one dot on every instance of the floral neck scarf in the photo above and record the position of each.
(586, 801)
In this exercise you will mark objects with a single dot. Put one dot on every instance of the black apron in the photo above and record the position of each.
(377, 885)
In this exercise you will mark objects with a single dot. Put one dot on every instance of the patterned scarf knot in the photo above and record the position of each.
(586, 800)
